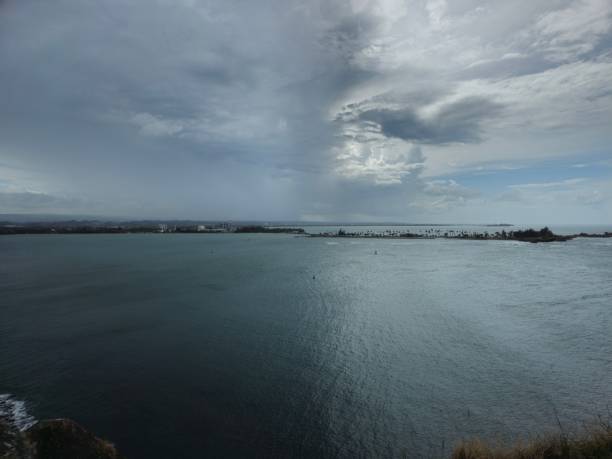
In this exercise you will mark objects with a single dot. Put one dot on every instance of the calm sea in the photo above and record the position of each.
(190, 346)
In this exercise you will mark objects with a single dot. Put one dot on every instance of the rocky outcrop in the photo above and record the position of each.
(53, 439)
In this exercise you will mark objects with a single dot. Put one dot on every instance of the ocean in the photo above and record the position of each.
(272, 345)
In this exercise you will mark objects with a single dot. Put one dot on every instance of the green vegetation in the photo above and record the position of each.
(64, 439)
(529, 235)
(594, 443)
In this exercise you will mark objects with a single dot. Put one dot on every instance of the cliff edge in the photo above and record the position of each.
(53, 439)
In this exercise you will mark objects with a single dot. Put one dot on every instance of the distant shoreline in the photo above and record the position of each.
(529, 235)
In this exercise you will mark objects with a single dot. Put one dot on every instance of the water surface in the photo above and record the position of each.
(190, 346)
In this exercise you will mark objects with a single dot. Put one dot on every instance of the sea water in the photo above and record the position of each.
(212, 345)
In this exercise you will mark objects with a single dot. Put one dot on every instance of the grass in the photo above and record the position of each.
(594, 443)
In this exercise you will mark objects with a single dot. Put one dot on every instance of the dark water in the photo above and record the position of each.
(190, 346)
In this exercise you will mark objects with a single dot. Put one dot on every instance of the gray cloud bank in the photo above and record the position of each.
(455, 122)
(290, 109)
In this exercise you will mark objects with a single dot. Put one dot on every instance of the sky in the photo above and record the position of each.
(418, 111)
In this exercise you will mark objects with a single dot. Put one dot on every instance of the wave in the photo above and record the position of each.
(15, 413)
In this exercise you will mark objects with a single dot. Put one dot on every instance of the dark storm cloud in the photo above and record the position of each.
(459, 121)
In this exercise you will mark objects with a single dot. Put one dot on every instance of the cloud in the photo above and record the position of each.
(449, 187)
(538, 186)
(382, 161)
(444, 194)
(575, 191)
(154, 126)
(29, 201)
(459, 121)
(574, 29)
(224, 109)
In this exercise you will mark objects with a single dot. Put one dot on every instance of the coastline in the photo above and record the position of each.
(65, 439)
(527, 235)
(53, 439)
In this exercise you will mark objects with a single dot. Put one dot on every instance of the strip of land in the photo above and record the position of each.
(94, 227)
(139, 227)
(529, 235)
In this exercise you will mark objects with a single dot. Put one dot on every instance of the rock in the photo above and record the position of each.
(53, 439)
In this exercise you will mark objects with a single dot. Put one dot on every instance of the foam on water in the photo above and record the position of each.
(14, 411)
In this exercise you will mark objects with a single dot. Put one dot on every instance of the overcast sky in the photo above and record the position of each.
(414, 111)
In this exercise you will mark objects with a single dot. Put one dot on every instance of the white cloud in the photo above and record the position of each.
(384, 161)
(575, 191)
(574, 30)
(444, 195)
(437, 10)
(156, 126)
